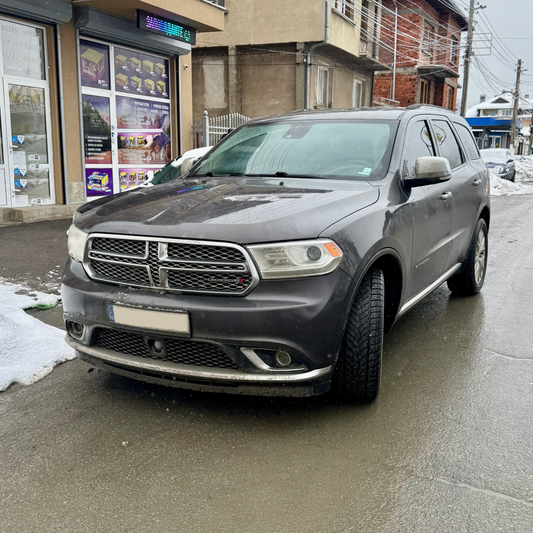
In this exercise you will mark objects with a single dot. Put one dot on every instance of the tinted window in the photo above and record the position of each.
(468, 141)
(352, 150)
(419, 144)
(447, 142)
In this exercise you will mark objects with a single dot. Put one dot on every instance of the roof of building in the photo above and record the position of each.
(502, 101)
(451, 7)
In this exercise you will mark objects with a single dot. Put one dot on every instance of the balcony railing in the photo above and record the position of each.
(221, 3)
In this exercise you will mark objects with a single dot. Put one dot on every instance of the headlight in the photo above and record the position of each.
(296, 259)
(76, 243)
(500, 170)
(75, 216)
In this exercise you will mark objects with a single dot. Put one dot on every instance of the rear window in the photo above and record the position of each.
(468, 141)
(348, 150)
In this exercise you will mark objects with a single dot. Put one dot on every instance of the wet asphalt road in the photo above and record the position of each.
(446, 448)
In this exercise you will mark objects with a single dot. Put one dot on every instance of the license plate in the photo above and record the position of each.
(175, 321)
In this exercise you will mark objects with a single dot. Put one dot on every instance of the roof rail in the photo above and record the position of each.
(430, 106)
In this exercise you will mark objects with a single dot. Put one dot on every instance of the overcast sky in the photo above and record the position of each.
(512, 21)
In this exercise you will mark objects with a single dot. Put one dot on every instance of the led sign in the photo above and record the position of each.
(168, 28)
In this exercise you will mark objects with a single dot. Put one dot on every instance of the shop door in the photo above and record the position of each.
(28, 137)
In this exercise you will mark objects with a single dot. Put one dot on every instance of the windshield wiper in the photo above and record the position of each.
(280, 174)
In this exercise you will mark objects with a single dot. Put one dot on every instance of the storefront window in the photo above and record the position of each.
(126, 125)
(22, 50)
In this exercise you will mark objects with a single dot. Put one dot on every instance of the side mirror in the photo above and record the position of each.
(429, 170)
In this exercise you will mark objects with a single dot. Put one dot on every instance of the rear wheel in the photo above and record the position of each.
(472, 276)
(357, 374)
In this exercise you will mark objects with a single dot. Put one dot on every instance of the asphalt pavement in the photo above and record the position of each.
(445, 448)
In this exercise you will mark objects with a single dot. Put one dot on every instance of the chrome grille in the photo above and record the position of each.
(170, 264)
(176, 350)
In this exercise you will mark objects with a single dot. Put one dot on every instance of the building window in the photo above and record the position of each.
(449, 98)
(428, 41)
(454, 50)
(357, 91)
(424, 92)
(323, 87)
(346, 7)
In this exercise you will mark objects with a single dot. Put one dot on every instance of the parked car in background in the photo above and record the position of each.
(500, 162)
(276, 264)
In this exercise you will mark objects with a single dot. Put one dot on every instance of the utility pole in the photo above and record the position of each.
(516, 101)
(468, 54)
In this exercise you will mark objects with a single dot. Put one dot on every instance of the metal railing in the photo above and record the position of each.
(210, 130)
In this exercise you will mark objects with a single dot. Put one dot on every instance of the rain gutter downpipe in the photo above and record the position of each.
(309, 52)
(395, 50)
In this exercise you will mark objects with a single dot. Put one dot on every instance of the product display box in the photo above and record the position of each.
(121, 61)
(140, 140)
(132, 176)
(148, 66)
(93, 64)
(161, 87)
(97, 181)
(149, 84)
(136, 82)
(160, 69)
(122, 80)
(135, 63)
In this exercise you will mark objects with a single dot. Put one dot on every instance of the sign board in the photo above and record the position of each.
(166, 27)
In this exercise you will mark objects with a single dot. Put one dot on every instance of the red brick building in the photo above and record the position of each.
(428, 46)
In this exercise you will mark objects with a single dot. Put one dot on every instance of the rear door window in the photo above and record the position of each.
(447, 143)
(418, 144)
(468, 141)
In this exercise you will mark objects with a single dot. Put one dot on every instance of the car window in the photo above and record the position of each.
(468, 141)
(418, 144)
(448, 146)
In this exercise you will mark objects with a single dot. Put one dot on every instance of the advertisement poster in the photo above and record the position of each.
(138, 73)
(130, 177)
(96, 129)
(133, 113)
(138, 148)
(94, 64)
(99, 181)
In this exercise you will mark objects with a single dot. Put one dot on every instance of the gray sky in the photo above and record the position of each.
(510, 19)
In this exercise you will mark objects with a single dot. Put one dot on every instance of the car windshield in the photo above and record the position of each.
(348, 150)
(174, 170)
(495, 156)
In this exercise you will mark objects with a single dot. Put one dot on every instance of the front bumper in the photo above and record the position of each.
(304, 317)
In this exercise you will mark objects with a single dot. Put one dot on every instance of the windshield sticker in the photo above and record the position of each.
(366, 172)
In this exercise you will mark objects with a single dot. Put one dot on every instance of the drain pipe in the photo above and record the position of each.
(393, 96)
(309, 52)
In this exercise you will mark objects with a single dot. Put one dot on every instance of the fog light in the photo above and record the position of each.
(283, 359)
(76, 329)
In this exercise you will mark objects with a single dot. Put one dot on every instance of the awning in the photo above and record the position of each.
(103, 26)
(46, 11)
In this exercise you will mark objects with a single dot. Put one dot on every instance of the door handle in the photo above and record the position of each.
(477, 182)
(445, 196)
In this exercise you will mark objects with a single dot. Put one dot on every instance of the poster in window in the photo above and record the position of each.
(99, 181)
(131, 177)
(142, 74)
(143, 148)
(133, 113)
(94, 64)
(96, 130)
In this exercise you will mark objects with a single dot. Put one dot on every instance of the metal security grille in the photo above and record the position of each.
(176, 351)
(175, 265)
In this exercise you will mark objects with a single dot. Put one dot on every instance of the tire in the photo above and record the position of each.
(513, 178)
(357, 375)
(471, 277)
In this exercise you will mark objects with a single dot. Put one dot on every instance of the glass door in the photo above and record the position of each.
(4, 195)
(27, 131)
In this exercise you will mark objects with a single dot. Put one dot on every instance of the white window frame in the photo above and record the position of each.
(428, 40)
(357, 86)
(323, 76)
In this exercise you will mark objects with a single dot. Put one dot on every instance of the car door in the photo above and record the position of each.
(465, 185)
(431, 212)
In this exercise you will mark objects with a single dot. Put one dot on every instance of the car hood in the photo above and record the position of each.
(240, 210)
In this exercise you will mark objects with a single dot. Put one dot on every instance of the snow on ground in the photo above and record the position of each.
(501, 187)
(524, 167)
(29, 349)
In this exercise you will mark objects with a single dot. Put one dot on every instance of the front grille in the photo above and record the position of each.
(176, 350)
(183, 266)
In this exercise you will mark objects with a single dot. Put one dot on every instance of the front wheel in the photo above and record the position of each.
(357, 375)
(472, 276)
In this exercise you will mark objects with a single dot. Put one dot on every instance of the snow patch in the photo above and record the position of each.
(29, 349)
(501, 187)
(524, 167)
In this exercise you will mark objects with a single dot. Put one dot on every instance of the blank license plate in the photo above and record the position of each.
(176, 321)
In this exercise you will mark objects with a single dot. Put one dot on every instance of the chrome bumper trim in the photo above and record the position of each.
(186, 371)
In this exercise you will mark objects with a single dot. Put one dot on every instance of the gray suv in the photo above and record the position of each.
(276, 264)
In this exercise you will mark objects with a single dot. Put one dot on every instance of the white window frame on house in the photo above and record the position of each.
(357, 93)
(323, 86)
(454, 50)
(428, 40)
(346, 8)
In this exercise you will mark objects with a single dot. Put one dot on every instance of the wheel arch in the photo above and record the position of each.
(485, 215)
